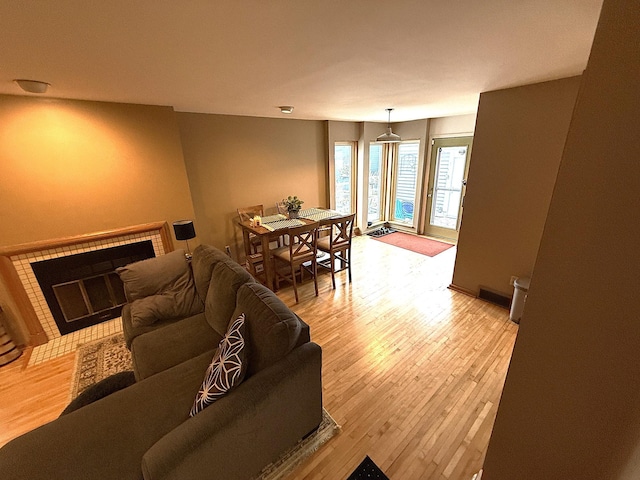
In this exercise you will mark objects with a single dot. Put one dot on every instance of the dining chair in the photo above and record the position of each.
(297, 257)
(247, 213)
(281, 208)
(337, 244)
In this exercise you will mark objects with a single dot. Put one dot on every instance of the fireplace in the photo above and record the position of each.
(83, 289)
(32, 308)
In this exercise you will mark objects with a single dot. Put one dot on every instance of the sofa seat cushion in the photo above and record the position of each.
(163, 348)
(226, 279)
(108, 438)
(273, 330)
(132, 331)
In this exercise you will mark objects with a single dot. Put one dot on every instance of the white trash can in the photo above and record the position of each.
(520, 291)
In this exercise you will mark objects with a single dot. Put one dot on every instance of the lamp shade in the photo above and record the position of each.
(389, 136)
(184, 229)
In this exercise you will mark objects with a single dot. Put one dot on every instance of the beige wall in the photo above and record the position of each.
(571, 403)
(237, 161)
(75, 167)
(519, 138)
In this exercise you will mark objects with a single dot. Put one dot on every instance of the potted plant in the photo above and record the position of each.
(293, 205)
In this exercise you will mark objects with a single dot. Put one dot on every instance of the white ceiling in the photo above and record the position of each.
(331, 59)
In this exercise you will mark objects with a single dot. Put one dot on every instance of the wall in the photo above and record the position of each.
(74, 167)
(237, 161)
(459, 125)
(519, 138)
(571, 402)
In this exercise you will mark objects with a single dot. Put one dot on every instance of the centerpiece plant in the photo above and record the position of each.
(293, 205)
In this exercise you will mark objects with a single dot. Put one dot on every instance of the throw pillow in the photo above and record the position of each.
(152, 276)
(179, 300)
(227, 369)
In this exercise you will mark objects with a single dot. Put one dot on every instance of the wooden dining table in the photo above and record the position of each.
(274, 227)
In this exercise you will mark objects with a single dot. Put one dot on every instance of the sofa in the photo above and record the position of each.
(145, 430)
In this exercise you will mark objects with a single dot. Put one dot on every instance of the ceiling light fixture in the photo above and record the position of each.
(389, 136)
(32, 86)
(286, 109)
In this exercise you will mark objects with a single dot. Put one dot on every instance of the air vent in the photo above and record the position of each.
(494, 297)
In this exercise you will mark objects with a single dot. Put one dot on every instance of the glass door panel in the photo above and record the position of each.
(447, 190)
(376, 182)
(449, 167)
(344, 177)
(405, 182)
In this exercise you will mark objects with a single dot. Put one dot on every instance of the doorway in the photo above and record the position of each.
(446, 187)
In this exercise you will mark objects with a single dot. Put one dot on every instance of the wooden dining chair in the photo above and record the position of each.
(246, 214)
(337, 244)
(297, 257)
(281, 208)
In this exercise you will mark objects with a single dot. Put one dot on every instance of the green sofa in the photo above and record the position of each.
(145, 431)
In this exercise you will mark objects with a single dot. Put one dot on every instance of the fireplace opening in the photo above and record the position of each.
(83, 289)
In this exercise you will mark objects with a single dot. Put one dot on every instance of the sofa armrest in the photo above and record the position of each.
(249, 428)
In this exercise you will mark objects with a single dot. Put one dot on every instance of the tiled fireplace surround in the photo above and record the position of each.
(23, 283)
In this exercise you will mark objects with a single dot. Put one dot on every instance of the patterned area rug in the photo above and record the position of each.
(297, 454)
(98, 360)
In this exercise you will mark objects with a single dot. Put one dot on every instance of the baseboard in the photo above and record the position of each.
(486, 294)
(459, 289)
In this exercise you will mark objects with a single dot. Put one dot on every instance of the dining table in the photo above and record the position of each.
(274, 226)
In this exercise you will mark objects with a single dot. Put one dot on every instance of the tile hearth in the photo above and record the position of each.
(69, 343)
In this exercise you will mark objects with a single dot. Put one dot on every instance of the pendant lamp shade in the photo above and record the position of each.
(388, 136)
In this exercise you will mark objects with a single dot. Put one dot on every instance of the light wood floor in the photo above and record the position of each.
(412, 370)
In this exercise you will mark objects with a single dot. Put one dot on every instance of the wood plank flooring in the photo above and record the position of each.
(412, 370)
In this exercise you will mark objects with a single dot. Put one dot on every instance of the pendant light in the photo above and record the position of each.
(389, 136)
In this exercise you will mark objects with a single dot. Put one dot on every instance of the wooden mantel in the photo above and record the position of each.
(163, 227)
(8, 274)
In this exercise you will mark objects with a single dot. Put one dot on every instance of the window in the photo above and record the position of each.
(376, 183)
(344, 163)
(406, 181)
(394, 170)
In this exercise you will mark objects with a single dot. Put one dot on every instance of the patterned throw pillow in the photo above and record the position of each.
(227, 369)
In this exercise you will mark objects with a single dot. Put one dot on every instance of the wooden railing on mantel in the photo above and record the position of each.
(9, 276)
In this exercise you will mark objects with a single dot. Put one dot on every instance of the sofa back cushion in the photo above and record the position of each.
(226, 279)
(273, 330)
(205, 258)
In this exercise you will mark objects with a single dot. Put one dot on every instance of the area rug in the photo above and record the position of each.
(297, 454)
(98, 360)
(422, 245)
(367, 470)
